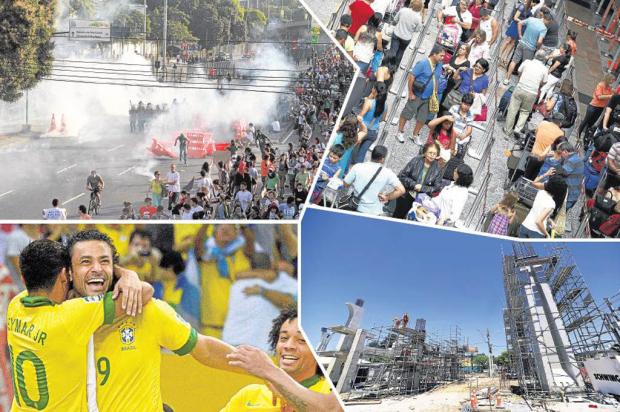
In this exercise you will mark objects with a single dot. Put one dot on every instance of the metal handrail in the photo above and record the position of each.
(335, 19)
(478, 201)
(403, 82)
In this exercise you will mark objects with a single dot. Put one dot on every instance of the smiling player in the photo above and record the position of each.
(48, 336)
(297, 379)
(128, 351)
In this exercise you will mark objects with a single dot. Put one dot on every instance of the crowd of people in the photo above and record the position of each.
(447, 95)
(255, 178)
(141, 115)
(265, 257)
(320, 93)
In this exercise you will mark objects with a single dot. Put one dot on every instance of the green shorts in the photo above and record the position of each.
(417, 108)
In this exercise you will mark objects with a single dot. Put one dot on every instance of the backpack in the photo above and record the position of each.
(569, 112)
(604, 141)
(591, 176)
(504, 101)
(568, 107)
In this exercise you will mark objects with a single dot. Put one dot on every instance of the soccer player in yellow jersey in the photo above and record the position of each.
(128, 352)
(222, 261)
(297, 381)
(48, 336)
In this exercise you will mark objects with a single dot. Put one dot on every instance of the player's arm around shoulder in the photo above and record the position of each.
(259, 364)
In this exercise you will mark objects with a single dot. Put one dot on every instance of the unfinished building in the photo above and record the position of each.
(552, 323)
(389, 360)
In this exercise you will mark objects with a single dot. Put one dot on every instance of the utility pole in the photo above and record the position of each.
(144, 45)
(165, 33)
(490, 354)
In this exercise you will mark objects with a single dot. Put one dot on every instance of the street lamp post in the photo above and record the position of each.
(26, 127)
(165, 33)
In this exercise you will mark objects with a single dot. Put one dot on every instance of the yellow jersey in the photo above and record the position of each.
(216, 291)
(48, 346)
(119, 234)
(259, 398)
(128, 357)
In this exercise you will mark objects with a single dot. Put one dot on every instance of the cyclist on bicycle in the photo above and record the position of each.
(94, 184)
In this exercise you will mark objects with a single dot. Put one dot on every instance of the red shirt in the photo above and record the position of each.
(148, 211)
(360, 13)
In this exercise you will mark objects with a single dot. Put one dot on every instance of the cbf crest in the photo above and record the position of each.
(127, 334)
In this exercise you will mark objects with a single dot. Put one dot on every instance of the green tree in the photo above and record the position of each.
(26, 29)
(216, 20)
(81, 9)
(130, 19)
(503, 359)
(481, 360)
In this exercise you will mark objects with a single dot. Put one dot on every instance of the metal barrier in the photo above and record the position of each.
(478, 204)
(334, 21)
(401, 87)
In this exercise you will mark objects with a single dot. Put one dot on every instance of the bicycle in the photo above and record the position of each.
(95, 202)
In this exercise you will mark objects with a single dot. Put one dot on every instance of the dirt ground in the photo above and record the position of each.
(452, 397)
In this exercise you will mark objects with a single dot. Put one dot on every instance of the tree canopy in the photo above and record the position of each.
(26, 29)
(210, 20)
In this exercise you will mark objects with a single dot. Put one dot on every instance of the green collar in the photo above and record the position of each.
(311, 381)
(36, 301)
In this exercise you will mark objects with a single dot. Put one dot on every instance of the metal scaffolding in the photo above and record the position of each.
(551, 320)
(400, 361)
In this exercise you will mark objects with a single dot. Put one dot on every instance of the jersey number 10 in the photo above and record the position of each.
(19, 382)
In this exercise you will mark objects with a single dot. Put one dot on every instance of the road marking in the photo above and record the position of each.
(66, 168)
(126, 170)
(6, 193)
(115, 148)
(287, 137)
(73, 198)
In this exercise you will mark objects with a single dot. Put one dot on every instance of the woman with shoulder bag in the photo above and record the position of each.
(421, 175)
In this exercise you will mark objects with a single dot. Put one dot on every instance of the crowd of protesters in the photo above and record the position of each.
(259, 179)
(320, 93)
(447, 98)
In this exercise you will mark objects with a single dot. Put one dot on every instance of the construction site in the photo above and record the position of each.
(563, 350)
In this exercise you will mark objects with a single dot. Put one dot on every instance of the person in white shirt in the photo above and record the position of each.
(465, 20)
(205, 184)
(408, 21)
(538, 220)
(173, 184)
(381, 6)
(255, 300)
(195, 207)
(244, 197)
(479, 47)
(186, 212)
(384, 188)
(55, 212)
(534, 74)
(488, 24)
(16, 241)
(451, 200)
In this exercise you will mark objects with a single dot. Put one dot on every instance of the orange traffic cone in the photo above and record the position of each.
(498, 402)
(474, 402)
(52, 123)
(63, 126)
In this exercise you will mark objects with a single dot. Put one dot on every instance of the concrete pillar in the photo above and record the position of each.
(349, 370)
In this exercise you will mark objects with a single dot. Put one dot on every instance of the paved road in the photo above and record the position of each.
(58, 167)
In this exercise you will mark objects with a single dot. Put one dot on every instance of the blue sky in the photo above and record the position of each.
(446, 277)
